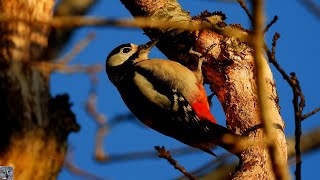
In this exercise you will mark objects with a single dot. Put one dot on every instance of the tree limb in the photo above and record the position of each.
(229, 71)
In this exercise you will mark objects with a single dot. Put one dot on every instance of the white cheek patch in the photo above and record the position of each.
(117, 60)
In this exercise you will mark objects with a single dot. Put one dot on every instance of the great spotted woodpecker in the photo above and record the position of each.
(165, 95)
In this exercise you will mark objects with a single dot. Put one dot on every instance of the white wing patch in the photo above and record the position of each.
(175, 106)
(147, 89)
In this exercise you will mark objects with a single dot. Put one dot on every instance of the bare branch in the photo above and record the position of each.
(279, 167)
(77, 49)
(298, 107)
(92, 109)
(312, 6)
(138, 22)
(72, 168)
(47, 68)
(273, 60)
(245, 8)
(100, 154)
(274, 20)
(305, 116)
(298, 101)
(163, 153)
(310, 142)
(142, 155)
(61, 65)
(275, 38)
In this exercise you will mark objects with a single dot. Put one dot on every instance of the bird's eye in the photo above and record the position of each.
(126, 50)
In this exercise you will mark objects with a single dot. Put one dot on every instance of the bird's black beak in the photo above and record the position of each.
(147, 47)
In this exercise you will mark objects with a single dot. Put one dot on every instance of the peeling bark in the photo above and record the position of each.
(230, 71)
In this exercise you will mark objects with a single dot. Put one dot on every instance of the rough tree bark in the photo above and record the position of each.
(230, 71)
(34, 126)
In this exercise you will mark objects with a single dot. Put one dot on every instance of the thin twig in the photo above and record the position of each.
(138, 22)
(298, 103)
(275, 38)
(245, 8)
(68, 165)
(61, 65)
(103, 127)
(312, 6)
(77, 49)
(214, 164)
(163, 153)
(72, 168)
(298, 131)
(279, 168)
(92, 109)
(142, 155)
(274, 20)
(305, 116)
(274, 62)
(47, 68)
(100, 153)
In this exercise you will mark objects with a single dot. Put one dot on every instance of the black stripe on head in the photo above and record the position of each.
(134, 56)
(117, 49)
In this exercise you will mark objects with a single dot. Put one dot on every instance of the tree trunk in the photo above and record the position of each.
(230, 71)
(34, 126)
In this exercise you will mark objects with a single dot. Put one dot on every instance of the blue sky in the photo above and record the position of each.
(297, 51)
